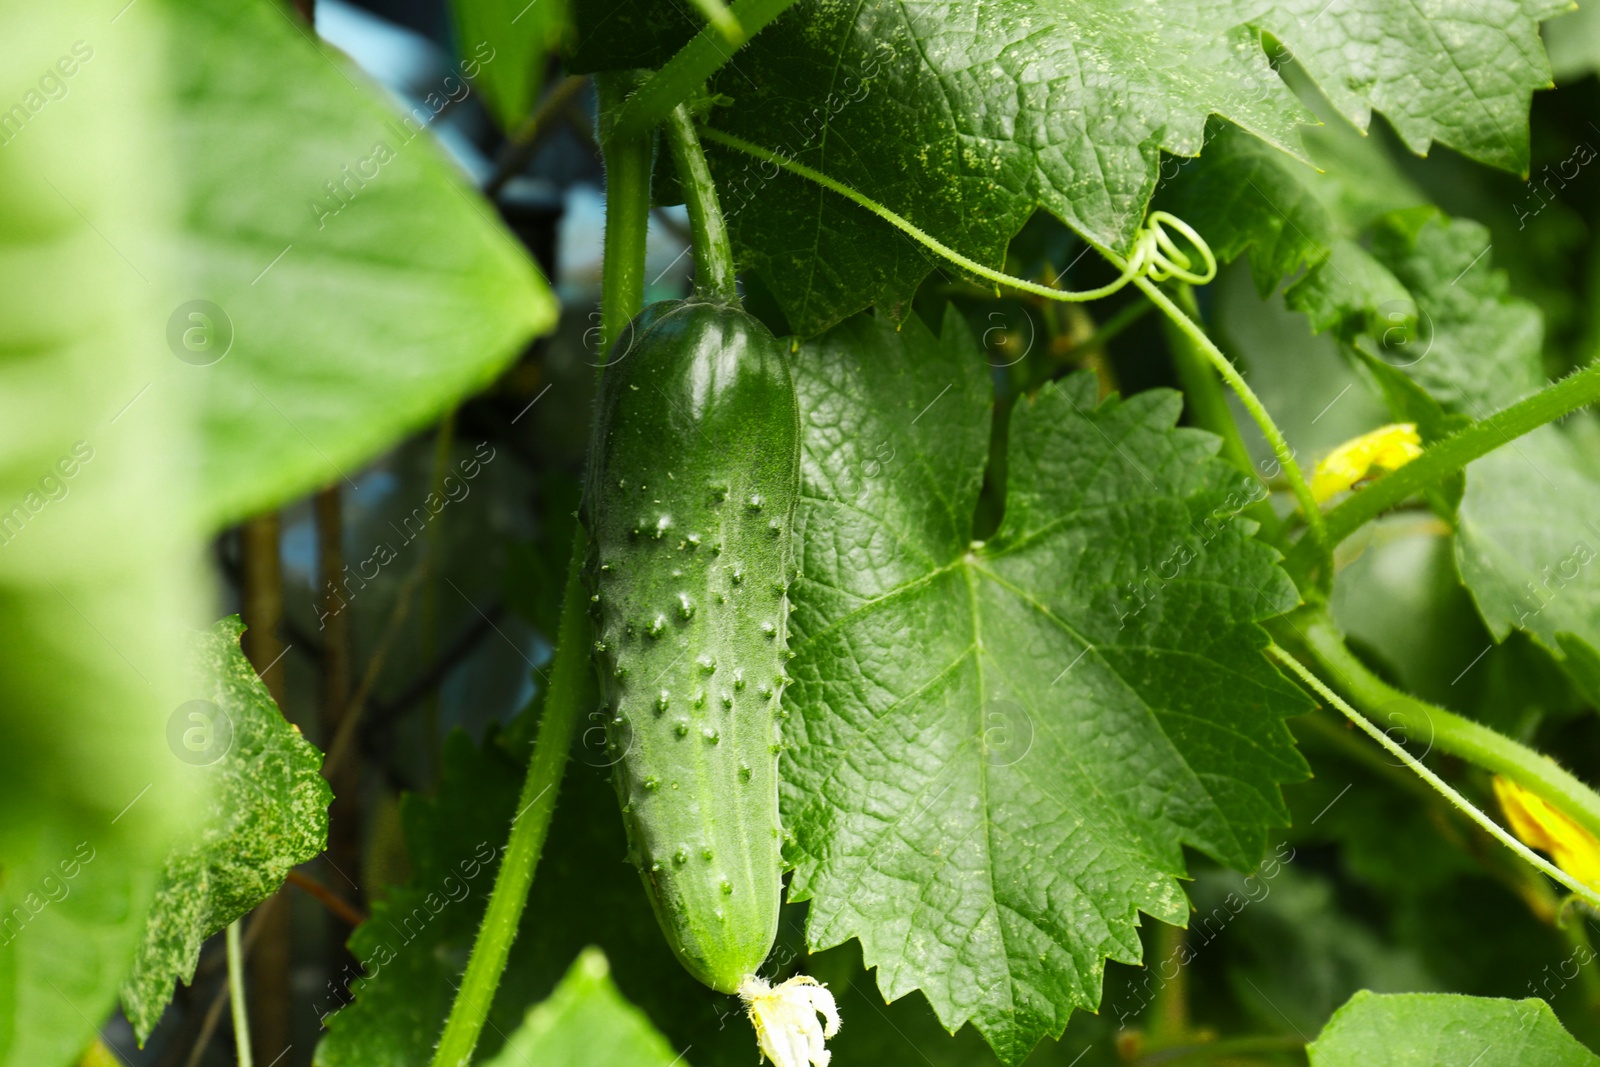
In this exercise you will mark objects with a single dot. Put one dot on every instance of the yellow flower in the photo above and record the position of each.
(1389, 447)
(1545, 827)
(785, 1018)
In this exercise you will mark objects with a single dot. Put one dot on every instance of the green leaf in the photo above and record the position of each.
(964, 118)
(1528, 542)
(96, 579)
(1528, 525)
(1242, 195)
(586, 1022)
(1476, 347)
(503, 45)
(998, 751)
(266, 811)
(367, 285)
(1426, 1029)
(1460, 73)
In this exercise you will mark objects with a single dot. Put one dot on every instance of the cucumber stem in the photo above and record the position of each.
(1317, 685)
(1450, 455)
(714, 274)
(1449, 732)
(1208, 407)
(1316, 534)
(567, 694)
(695, 62)
(627, 164)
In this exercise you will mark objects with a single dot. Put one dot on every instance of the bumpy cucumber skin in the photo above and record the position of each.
(690, 511)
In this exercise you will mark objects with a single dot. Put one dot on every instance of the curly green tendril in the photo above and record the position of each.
(1155, 254)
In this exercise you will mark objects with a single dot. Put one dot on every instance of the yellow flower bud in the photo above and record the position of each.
(1389, 447)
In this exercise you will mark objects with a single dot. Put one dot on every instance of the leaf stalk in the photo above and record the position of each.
(1449, 732)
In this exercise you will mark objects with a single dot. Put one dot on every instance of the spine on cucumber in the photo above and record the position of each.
(690, 509)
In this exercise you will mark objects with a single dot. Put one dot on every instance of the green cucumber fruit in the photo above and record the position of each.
(690, 510)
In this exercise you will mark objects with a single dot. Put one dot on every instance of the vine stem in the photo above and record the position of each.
(1454, 452)
(241, 1017)
(1452, 733)
(627, 158)
(687, 71)
(1444, 788)
(1208, 407)
(1316, 532)
(565, 697)
(714, 272)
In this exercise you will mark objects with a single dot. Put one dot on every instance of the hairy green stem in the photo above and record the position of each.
(688, 70)
(568, 692)
(571, 680)
(241, 1017)
(1252, 403)
(1208, 407)
(1450, 455)
(1444, 788)
(714, 273)
(627, 164)
(1447, 731)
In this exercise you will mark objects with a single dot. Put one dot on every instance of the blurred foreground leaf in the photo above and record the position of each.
(358, 287)
(96, 574)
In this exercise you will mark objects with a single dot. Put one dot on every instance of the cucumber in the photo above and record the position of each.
(689, 504)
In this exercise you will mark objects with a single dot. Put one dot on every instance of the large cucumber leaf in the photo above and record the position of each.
(963, 117)
(996, 752)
